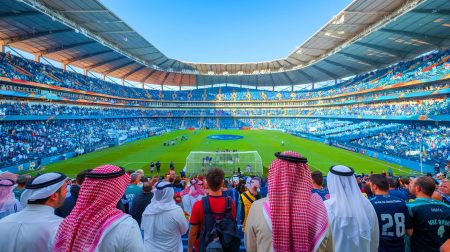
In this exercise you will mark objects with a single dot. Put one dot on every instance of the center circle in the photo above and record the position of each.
(225, 137)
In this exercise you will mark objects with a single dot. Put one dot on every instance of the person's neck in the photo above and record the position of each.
(381, 193)
(20, 187)
(422, 195)
(215, 193)
(318, 187)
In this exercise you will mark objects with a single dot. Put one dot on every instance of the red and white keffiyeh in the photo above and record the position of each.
(193, 189)
(299, 219)
(7, 199)
(94, 211)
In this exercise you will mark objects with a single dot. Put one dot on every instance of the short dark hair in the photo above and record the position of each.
(426, 184)
(317, 177)
(215, 177)
(81, 176)
(392, 183)
(380, 181)
(147, 187)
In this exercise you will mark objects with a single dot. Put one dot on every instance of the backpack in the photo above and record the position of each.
(219, 231)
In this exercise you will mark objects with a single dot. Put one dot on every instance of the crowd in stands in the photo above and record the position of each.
(166, 212)
(24, 141)
(423, 107)
(430, 66)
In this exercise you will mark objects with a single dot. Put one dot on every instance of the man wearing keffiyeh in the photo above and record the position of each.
(95, 224)
(290, 218)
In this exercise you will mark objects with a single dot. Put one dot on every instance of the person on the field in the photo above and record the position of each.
(352, 217)
(152, 167)
(158, 167)
(317, 184)
(34, 228)
(430, 217)
(95, 224)
(8, 203)
(163, 221)
(248, 197)
(291, 218)
(392, 215)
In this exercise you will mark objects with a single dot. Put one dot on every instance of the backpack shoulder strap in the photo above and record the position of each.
(247, 197)
(206, 207)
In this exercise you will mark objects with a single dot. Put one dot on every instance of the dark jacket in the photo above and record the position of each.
(140, 202)
(69, 202)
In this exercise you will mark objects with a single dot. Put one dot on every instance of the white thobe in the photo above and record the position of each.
(32, 229)
(122, 235)
(171, 225)
(343, 243)
(13, 208)
(188, 202)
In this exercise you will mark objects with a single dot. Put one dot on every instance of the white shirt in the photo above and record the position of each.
(340, 240)
(171, 225)
(122, 235)
(32, 229)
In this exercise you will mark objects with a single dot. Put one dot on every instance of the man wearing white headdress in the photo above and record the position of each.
(163, 221)
(34, 228)
(352, 217)
(8, 203)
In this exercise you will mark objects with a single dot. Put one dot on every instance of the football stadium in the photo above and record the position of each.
(108, 144)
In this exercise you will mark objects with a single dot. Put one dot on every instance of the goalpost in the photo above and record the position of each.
(249, 162)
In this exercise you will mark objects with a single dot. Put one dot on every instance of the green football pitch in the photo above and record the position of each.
(139, 154)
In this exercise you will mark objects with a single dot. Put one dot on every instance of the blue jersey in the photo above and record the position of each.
(431, 221)
(393, 220)
(399, 194)
(322, 192)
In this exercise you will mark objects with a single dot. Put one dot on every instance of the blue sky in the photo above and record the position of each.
(226, 31)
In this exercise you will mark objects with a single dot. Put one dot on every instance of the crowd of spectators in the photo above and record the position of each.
(166, 212)
(423, 107)
(24, 141)
(425, 67)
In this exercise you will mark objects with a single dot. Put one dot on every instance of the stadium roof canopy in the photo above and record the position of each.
(366, 35)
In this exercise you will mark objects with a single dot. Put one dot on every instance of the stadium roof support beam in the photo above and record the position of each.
(104, 62)
(19, 14)
(362, 59)
(85, 56)
(65, 47)
(434, 40)
(397, 53)
(348, 68)
(29, 36)
(332, 75)
(148, 75)
(118, 67)
(289, 78)
(165, 78)
(307, 76)
(132, 72)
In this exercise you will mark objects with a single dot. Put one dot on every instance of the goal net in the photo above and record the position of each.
(248, 162)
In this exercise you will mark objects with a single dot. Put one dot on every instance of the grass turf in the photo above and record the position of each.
(139, 154)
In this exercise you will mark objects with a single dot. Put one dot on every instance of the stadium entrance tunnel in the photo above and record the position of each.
(225, 137)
